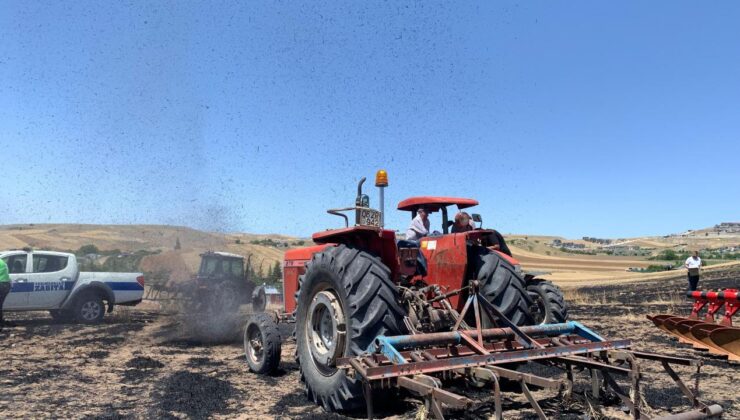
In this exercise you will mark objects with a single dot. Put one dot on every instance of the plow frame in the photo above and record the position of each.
(729, 298)
(418, 363)
(718, 338)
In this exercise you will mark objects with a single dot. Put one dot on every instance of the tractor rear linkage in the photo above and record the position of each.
(419, 362)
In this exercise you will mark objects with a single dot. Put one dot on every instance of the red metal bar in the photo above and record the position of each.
(457, 351)
(393, 370)
(731, 308)
(714, 307)
(730, 298)
(699, 304)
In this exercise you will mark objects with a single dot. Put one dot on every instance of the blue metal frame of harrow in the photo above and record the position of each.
(391, 348)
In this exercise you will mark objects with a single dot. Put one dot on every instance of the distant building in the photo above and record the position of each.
(728, 227)
(624, 249)
(557, 243)
(274, 297)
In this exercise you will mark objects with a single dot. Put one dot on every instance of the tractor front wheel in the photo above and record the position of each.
(262, 344)
(345, 299)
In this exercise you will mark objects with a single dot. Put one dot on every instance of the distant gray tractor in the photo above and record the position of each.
(210, 302)
(222, 285)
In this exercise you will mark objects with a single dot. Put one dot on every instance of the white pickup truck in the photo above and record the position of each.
(47, 280)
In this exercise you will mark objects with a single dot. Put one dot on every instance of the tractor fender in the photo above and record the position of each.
(508, 258)
(95, 286)
(530, 279)
(534, 277)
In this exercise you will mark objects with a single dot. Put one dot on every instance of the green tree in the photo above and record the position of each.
(668, 255)
(88, 249)
(277, 273)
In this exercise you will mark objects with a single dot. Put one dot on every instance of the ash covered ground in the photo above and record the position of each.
(140, 364)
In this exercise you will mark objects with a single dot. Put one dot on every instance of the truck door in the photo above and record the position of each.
(19, 285)
(53, 276)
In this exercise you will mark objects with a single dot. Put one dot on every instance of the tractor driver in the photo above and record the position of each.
(419, 226)
(462, 223)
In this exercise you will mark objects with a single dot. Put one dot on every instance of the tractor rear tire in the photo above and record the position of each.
(345, 299)
(262, 344)
(259, 299)
(504, 288)
(548, 303)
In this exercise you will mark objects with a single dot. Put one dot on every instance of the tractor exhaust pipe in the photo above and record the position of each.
(359, 187)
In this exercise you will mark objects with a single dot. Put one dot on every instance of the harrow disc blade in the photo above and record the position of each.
(703, 331)
(728, 339)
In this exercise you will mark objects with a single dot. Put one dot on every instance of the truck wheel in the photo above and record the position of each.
(345, 299)
(61, 315)
(548, 303)
(262, 344)
(504, 288)
(89, 308)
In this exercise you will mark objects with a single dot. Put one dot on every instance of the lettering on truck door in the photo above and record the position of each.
(19, 285)
(52, 276)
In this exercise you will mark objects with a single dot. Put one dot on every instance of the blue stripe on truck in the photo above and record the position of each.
(124, 285)
(41, 287)
(21, 287)
(68, 285)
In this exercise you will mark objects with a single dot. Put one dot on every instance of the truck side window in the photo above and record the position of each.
(16, 263)
(48, 263)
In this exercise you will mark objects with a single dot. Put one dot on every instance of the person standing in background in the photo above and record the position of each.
(4, 288)
(693, 264)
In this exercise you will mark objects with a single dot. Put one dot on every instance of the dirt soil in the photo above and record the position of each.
(137, 364)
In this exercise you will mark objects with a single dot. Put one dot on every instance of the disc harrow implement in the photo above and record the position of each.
(423, 363)
(703, 332)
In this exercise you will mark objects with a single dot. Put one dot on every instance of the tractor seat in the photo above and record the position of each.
(408, 251)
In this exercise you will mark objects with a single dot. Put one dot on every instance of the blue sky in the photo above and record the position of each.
(566, 118)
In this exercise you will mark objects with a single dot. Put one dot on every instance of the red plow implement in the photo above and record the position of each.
(704, 332)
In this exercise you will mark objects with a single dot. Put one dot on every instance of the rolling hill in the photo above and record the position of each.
(534, 252)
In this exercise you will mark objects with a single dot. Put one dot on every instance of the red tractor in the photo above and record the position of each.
(359, 282)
